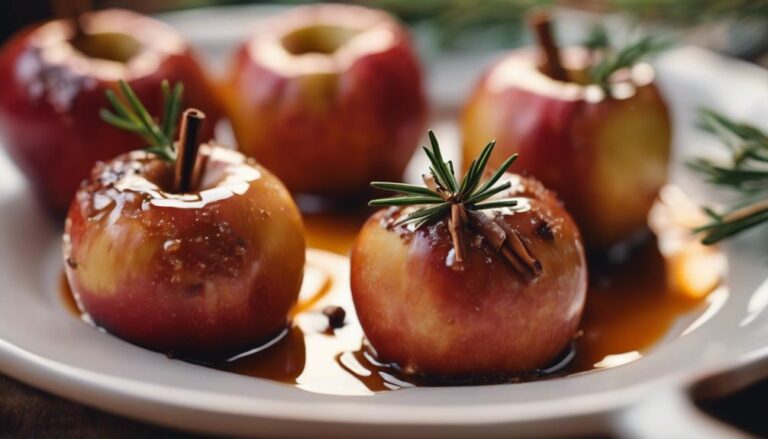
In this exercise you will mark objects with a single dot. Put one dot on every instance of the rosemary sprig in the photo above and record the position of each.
(600, 73)
(747, 173)
(744, 140)
(134, 117)
(435, 203)
(462, 202)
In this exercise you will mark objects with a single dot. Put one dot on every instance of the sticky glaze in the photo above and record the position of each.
(633, 301)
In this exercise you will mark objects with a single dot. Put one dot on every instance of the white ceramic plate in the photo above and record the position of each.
(42, 344)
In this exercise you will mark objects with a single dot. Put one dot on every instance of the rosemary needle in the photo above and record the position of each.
(747, 174)
(434, 204)
(134, 117)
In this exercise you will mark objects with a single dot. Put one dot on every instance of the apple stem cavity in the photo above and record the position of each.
(188, 163)
(552, 65)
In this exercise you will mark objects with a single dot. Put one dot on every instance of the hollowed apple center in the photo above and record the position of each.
(576, 70)
(111, 46)
(321, 39)
(579, 75)
(225, 173)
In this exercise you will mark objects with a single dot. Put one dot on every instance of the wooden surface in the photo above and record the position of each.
(26, 412)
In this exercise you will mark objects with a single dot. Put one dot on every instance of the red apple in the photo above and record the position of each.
(485, 319)
(329, 98)
(205, 273)
(605, 156)
(52, 85)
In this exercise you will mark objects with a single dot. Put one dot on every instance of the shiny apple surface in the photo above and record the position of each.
(52, 86)
(329, 98)
(606, 156)
(431, 319)
(195, 274)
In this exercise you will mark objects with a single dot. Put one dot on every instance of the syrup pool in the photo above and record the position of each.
(636, 296)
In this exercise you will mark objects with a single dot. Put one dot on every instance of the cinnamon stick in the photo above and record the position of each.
(512, 259)
(508, 242)
(188, 163)
(518, 246)
(551, 64)
(455, 225)
(490, 230)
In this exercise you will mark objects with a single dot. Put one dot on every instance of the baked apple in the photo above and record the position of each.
(598, 133)
(328, 97)
(469, 279)
(52, 83)
(200, 256)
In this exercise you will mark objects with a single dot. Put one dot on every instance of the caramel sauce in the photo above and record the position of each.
(334, 232)
(634, 299)
(630, 306)
(67, 298)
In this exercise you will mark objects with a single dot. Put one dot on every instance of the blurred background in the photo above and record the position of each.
(733, 27)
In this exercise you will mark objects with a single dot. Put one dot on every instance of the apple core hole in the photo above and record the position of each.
(579, 76)
(110, 46)
(162, 175)
(321, 39)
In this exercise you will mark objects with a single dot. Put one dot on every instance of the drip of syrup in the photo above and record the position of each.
(632, 303)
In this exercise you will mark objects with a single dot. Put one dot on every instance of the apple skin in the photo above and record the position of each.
(200, 275)
(430, 319)
(329, 124)
(607, 158)
(51, 94)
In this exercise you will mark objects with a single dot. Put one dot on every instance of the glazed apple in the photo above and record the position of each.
(329, 98)
(201, 257)
(52, 83)
(484, 280)
(603, 149)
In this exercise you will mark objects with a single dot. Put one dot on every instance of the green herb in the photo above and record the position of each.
(451, 24)
(135, 118)
(747, 174)
(462, 202)
(437, 201)
(629, 55)
(597, 39)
